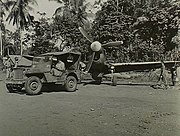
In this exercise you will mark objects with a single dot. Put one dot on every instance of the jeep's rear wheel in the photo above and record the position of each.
(33, 85)
(71, 84)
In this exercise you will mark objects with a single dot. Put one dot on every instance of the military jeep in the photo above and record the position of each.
(41, 72)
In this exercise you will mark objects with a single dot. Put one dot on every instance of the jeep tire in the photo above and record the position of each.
(70, 84)
(33, 85)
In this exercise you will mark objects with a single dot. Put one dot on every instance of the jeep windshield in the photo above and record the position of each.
(43, 59)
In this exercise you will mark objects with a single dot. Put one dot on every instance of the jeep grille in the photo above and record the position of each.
(18, 73)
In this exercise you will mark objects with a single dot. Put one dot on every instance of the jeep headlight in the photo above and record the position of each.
(33, 66)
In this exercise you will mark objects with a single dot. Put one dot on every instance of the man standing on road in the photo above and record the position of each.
(8, 64)
(162, 78)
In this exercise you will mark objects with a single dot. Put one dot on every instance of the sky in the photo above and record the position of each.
(46, 6)
(50, 6)
(43, 6)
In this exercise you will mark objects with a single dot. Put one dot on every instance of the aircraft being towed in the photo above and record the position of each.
(97, 64)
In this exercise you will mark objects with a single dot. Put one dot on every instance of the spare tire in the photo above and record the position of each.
(1, 63)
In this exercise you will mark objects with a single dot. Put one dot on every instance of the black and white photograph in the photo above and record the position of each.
(89, 67)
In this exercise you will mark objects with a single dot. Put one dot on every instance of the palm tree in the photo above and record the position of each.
(20, 15)
(4, 6)
(74, 9)
(175, 3)
(79, 11)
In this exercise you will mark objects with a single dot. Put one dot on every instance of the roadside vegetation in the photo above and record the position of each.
(148, 28)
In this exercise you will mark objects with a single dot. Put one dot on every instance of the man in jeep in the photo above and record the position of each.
(59, 68)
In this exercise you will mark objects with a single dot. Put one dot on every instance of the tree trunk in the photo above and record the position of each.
(21, 44)
(1, 46)
(1, 31)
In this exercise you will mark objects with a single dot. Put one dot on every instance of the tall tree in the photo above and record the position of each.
(145, 26)
(76, 10)
(4, 7)
(67, 18)
(20, 15)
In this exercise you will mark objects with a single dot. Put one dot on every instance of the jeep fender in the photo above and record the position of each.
(75, 75)
(40, 75)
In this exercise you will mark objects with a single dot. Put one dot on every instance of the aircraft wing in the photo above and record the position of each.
(142, 66)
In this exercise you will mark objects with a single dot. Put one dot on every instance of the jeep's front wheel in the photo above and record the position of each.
(33, 85)
(71, 84)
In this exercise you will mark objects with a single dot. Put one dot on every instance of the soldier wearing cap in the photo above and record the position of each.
(8, 64)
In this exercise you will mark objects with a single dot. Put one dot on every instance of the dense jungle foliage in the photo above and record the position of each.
(148, 29)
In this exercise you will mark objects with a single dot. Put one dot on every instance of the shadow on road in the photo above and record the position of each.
(47, 88)
(131, 84)
(119, 83)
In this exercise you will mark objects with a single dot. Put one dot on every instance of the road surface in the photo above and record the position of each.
(93, 110)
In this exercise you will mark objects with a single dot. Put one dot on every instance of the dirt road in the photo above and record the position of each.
(93, 110)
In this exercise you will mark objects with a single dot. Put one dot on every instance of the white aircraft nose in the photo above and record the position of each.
(96, 46)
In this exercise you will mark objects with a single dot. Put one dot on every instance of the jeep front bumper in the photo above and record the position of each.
(15, 82)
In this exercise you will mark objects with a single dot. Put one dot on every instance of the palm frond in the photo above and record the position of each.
(19, 14)
(6, 4)
(58, 10)
(33, 2)
(58, 1)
